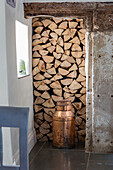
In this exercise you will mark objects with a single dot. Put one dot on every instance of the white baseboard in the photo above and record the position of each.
(31, 142)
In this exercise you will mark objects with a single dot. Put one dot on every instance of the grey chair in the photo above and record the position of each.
(15, 117)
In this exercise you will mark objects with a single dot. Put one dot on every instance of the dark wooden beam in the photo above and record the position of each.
(97, 16)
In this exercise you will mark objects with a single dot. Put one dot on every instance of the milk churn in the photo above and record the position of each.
(63, 125)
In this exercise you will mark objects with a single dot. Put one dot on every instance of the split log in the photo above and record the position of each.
(66, 37)
(47, 81)
(36, 54)
(41, 66)
(66, 89)
(46, 22)
(82, 132)
(73, 91)
(35, 71)
(77, 95)
(47, 75)
(48, 59)
(38, 30)
(51, 71)
(56, 98)
(67, 52)
(77, 54)
(65, 64)
(44, 139)
(66, 82)
(63, 71)
(74, 67)
(57, 20)
(59, 31)
(49, 103)
(83, 116)
(45, 33)
(71, 98)
(82, 111)
(75, 85)
(82, 64)
(72, 74)
(72, 24)
(57, 56)
(78, 60)
(49, 111)
(83, 99)
(39, 77)
(77, 105)
(46, 45)
(57, 63)
(58, 92)
(37, 24)
(81, 36)
(48, 65)
(64, 57)
(59, 49)
(55, 85)
(47, 118)
(83, 90)
(63, 25)
(54, 35)
(39, 116)
(75, 40)
(71, 59)
(70, 32)
(35, 62)
(36, 83)
(45, 125)
(82, 71)
(37, 108)
(37, 47)
(83, 125)
(36, 93)
(44, 131)
(56, 77)
(60, 42)
(67, 46)
(45, 95)
(50, 136)
(36, 42)
(80, 78)
(39, 136)
(67, 95)
(78, 121)
(36, 125)
(39, 100)
(43, 87)
(76, 47)
(53, 41)
(52, 26)
(44, 39)
(36, 36)
(35, 19)
(51, 49)
(43, 52)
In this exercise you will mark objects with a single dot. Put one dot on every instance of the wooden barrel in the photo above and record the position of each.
(63, 125)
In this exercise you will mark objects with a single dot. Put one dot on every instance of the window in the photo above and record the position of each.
(22, 49)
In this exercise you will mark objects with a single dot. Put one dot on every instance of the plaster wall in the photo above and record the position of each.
(20, 91)
(102, 92)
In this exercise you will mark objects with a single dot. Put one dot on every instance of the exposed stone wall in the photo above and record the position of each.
(58, 72)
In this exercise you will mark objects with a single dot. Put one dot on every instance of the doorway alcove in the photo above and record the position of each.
(98, 21)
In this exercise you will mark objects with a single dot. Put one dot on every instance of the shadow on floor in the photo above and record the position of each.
(45, 157)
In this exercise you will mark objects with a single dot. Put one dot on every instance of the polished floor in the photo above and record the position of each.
(45, 157)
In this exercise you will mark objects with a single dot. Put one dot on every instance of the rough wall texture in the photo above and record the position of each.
(58, 72)
(102, 86)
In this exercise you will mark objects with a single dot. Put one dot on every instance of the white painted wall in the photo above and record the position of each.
(20, 91)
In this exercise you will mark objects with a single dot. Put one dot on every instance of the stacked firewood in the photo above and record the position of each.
(58, 72)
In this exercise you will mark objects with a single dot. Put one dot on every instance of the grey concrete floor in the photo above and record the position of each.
(45, 157)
